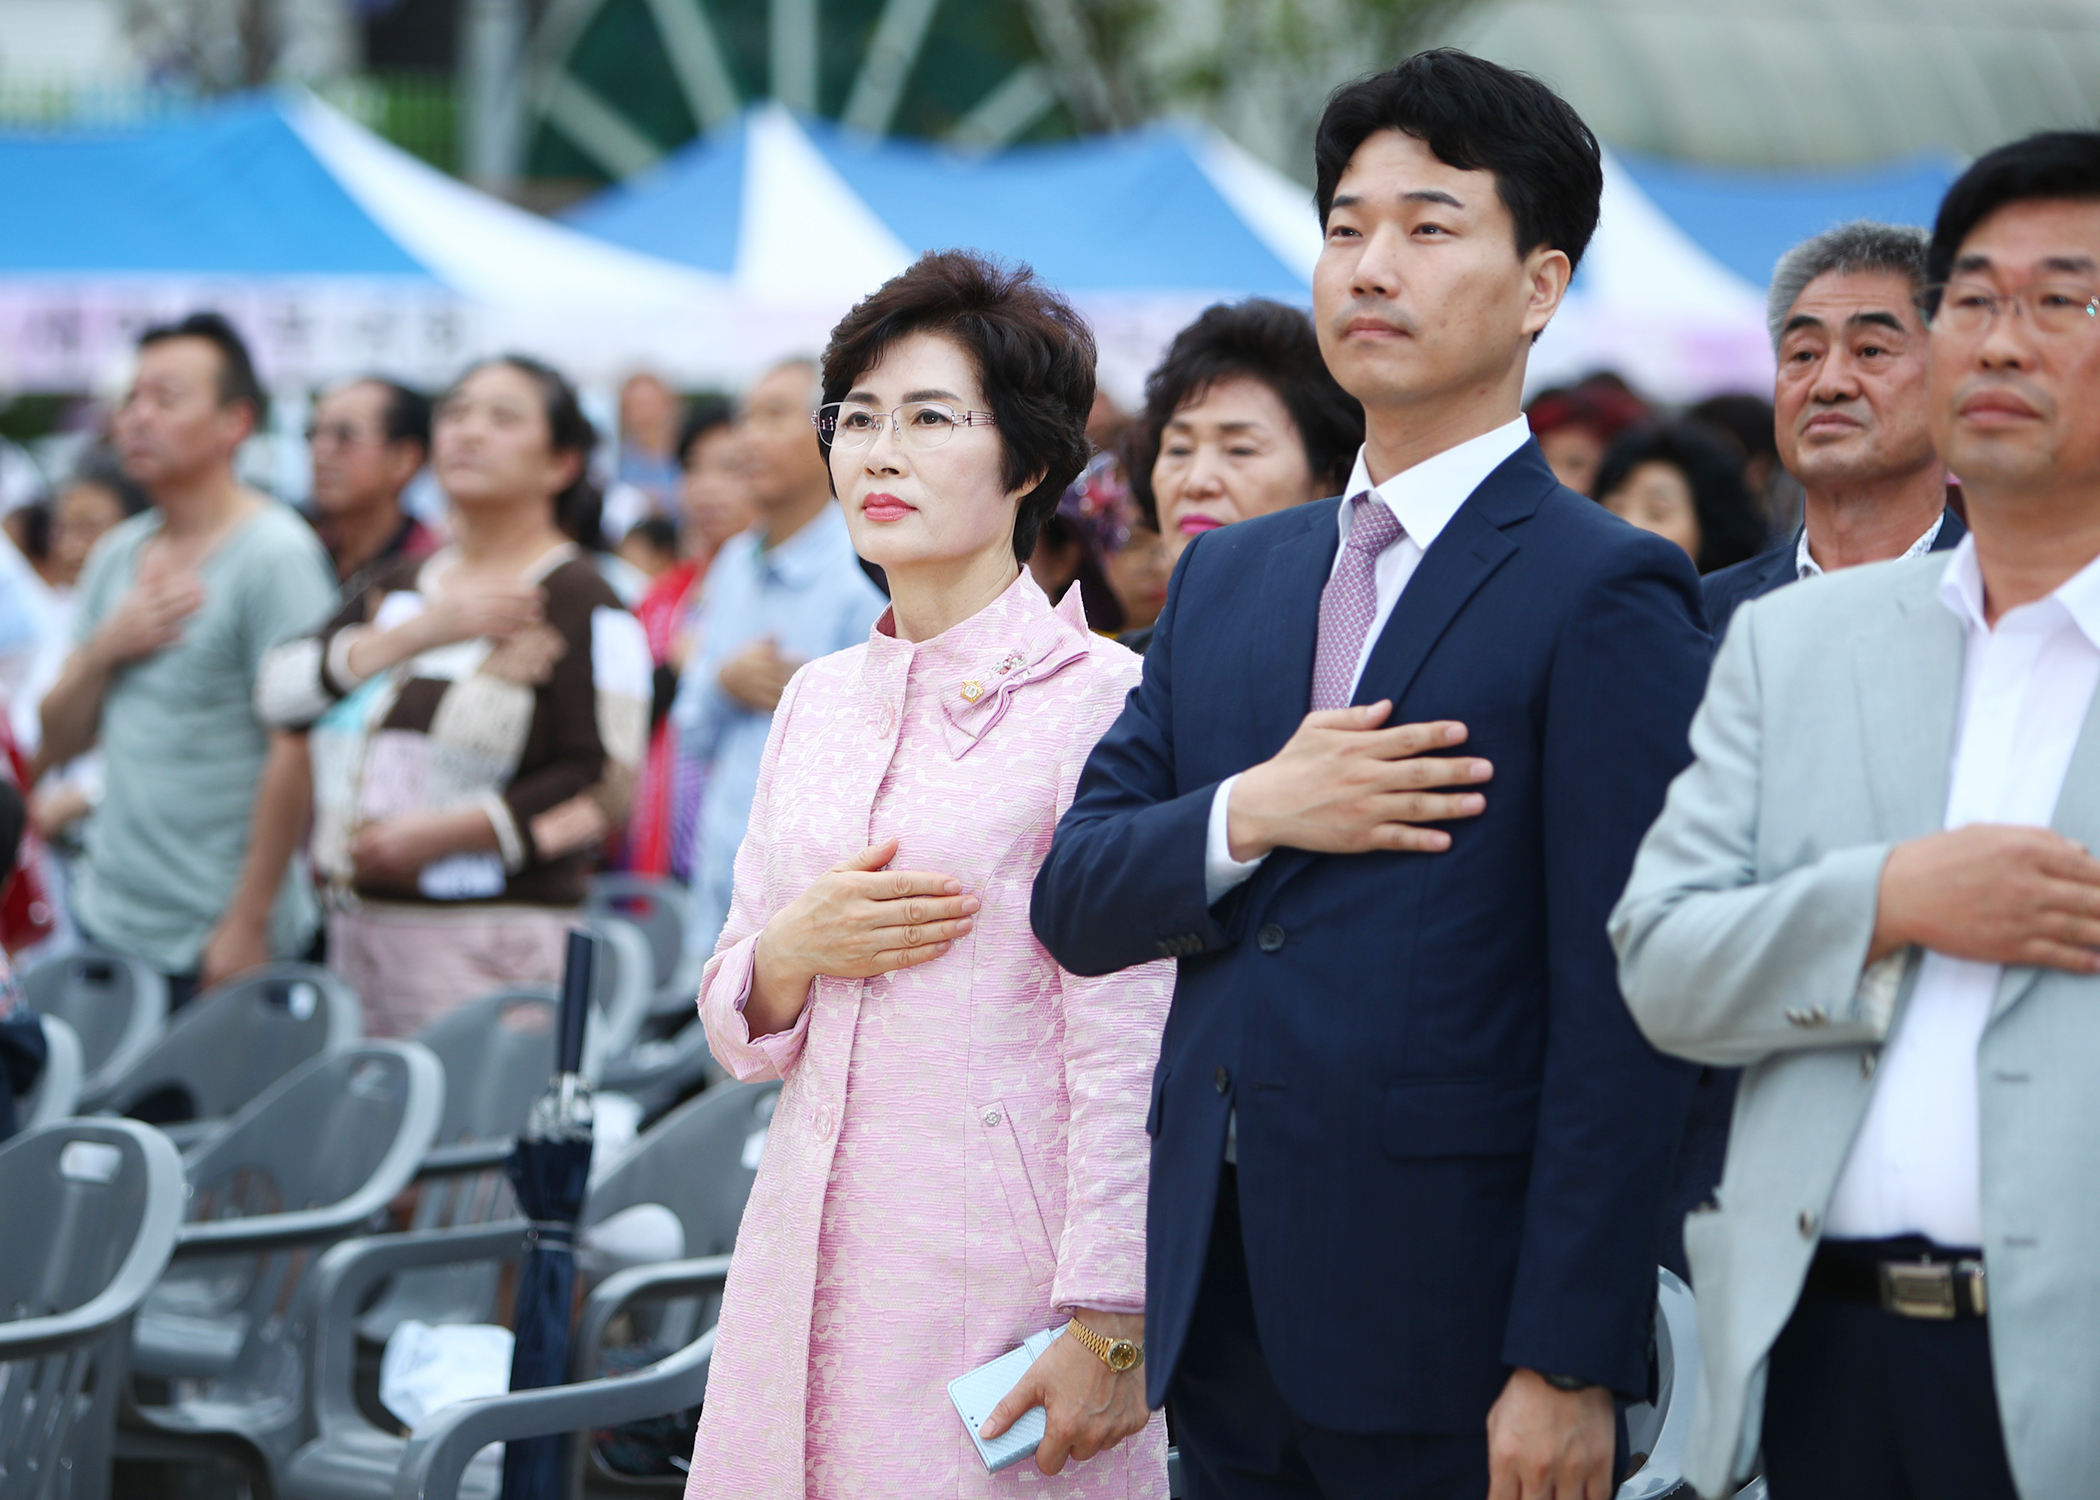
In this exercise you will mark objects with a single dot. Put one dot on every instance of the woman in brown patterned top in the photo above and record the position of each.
(476, 719)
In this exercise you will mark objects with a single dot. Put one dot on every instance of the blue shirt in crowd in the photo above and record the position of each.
(810, 595)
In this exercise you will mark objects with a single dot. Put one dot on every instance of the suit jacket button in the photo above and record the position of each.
(1224, 1079)
(1270, 938)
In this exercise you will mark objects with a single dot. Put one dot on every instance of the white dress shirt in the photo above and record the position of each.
(2025, 690)
(1423, 500)
(1806, 567)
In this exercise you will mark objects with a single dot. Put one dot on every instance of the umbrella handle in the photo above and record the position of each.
(575, 998)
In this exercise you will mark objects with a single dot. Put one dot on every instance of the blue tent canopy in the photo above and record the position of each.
(1138, 212)
(231, 191)
(1747, 220)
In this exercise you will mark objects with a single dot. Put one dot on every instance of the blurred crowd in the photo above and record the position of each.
(302, 820)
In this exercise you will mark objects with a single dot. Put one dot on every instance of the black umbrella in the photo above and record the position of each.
(549, 1167)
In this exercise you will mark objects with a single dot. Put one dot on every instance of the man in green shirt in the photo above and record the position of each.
(176, 608)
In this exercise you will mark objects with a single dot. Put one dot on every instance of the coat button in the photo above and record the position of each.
(1224, 1079)
(1808, 1223)
(825, 1123)
(1270, 938)
(991, 1117)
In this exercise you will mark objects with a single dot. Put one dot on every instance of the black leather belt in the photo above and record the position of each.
(1909, 1278)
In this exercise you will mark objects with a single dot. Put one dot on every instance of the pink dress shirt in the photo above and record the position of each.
(959, 1152)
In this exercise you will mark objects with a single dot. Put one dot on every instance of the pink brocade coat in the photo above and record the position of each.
(959, 1153)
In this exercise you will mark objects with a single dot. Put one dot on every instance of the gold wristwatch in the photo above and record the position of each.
(1118, 1354)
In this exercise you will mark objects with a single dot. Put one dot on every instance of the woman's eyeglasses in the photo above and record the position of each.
(918, 424)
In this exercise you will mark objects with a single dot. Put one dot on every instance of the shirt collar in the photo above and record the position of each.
(808, 556)
(1961, 590)
(1806, 567)
(1424, 498)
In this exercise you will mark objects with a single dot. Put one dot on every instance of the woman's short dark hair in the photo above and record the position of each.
(1258, 340)
(1034, 356)
(578, 510)
(2051, 164)
(1731, 528)
(1476, 116)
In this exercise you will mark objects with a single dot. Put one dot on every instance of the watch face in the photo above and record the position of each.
(1122, 1354)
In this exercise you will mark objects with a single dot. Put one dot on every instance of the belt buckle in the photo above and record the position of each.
(1917, 1289)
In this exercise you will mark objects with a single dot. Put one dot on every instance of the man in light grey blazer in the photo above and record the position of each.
(1872, 891)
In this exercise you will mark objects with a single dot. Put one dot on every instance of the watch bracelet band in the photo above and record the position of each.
(1099, 1344)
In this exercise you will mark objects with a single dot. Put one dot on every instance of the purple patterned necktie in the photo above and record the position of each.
(1350, 601)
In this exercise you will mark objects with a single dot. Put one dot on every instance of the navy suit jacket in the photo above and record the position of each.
(1775, 568)
(1452, 1138)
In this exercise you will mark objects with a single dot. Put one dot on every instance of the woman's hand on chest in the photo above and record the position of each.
(855, 921)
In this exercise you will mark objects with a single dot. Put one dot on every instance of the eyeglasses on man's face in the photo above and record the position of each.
(1965, 307)
(340, 434)
(918, 424)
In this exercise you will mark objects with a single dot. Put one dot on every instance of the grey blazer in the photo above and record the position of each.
(1825, 738)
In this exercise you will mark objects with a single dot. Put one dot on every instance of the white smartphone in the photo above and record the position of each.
(976, 1393)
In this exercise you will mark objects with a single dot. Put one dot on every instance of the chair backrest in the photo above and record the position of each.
(1661, 1429)
(348, 1127)
(699, 1161)
(659, 907)
(117, 1006)
(106, 1197)
(56, 1092)
(662, 909)
(620, 992)
(498, 1056)
(229, 1045)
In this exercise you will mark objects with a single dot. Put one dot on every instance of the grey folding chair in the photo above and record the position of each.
(233, 1042)
(56, 1093)
(699, 1162)
(498, 1055)
(620, 991)
(659, 1071)
(117, 1006)
(662, 909)
(1659, 1430)
(106, 1197)
(220, 1349)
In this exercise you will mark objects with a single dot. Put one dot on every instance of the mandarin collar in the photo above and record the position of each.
(973, 669)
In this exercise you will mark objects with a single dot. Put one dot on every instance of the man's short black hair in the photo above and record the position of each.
(2051, 164)
(1260, 340)
(406, 416)
(1476, 116)
(702, 417)
(237, 380)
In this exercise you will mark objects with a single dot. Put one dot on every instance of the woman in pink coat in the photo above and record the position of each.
(958, 1159)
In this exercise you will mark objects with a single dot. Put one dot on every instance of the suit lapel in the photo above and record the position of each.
(1461, 559)
(2077, 817)
(1909, 682)
(1281, 663)
(1469, 548)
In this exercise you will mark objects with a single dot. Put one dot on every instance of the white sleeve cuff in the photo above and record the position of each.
(337, 659)
(1221, 872)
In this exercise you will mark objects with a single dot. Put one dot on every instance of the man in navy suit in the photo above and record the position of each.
(1853, 424)
(1408, 1147)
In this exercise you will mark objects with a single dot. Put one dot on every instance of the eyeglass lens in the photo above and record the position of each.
(921, 424)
